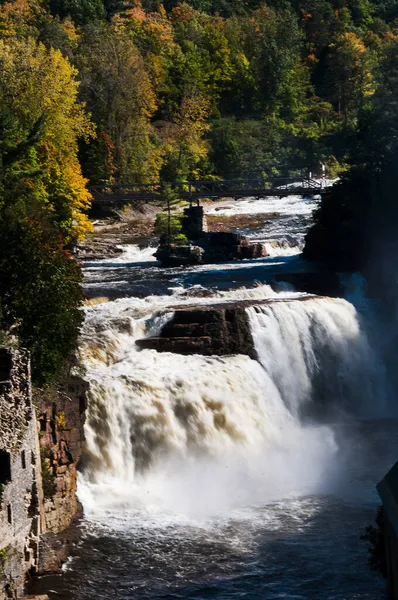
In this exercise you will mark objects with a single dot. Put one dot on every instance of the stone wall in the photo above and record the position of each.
(20, 474)
(40, 447)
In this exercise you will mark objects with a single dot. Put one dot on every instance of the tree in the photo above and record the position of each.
(349, 76)
(205, 64)
(271, 41)
(118, 91)
(35, 81)
(186, 146)
(42, 202)
(41, 293)
(81, 12)
(21, 18)
(169, 201)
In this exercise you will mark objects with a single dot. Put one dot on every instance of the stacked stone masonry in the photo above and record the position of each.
(40, 447)
(20, 475)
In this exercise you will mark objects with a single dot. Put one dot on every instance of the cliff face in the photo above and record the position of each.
(61, 418)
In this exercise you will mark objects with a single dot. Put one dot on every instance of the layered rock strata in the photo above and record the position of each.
(212, 329)
(61, 419)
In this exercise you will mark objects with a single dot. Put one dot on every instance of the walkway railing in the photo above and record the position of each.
(194, 190)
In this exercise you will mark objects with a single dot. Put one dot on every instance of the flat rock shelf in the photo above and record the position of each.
(218, 329)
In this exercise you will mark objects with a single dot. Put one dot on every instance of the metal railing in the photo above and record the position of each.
(275, 186)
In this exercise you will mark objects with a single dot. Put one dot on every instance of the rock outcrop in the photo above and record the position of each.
(171, 255)
(61, 419)
(208, 330)
(217, 329)
(211, 247)
(205, 247)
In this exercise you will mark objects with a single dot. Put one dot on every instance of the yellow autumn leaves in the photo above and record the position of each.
(35, 81)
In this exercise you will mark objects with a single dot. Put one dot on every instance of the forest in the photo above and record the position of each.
(103, 91)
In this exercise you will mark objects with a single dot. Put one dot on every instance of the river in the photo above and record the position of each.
(227, 477)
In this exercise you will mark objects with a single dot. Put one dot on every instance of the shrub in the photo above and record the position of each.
(48, 480)
(375, 538)
(162, 226)
(61, 420)
(40, 292)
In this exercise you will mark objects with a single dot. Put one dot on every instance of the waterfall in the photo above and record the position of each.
(197, 434)
(318, 354)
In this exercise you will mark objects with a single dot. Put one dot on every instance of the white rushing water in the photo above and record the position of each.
(195, 435)
(290, 205)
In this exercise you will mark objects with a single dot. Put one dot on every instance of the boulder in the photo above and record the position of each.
(214, 330)
(211, 247)
(172, 255)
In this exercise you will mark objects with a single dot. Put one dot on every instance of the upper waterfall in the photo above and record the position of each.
(187, 432)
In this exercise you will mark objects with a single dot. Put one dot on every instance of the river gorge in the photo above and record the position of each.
(230, 476)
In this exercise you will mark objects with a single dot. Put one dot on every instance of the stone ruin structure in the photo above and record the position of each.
(206, 247)
(40, 448)
(20, 474)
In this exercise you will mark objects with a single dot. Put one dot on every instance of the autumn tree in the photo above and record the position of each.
(118, 91)
(186, 146)
(349, 80)
(35, 81)
(153, 35)
(43, 200)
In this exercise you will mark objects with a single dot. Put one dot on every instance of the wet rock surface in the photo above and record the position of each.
(207, 331)
(170, 255)
(97, 249)
(215, 329)
(322, 283)
(210, 247)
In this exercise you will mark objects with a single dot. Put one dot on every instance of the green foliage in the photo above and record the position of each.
(41, 294)
(374, 536)
(161, 225)
(81, 11)
(169, 225)
(49, 481)
(4, 557)
(180, 239)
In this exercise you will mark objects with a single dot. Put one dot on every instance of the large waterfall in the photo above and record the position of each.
(199, 435)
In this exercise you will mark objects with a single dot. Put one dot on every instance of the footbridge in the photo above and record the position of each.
(193, 191)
